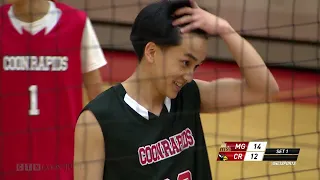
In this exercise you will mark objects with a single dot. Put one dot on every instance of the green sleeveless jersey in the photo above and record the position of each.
(170, 146)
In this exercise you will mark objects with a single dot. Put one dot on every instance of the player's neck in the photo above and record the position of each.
(30, 11)
(141, 89)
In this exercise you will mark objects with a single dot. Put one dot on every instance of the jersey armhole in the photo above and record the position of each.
(98, 120)
(88, 108)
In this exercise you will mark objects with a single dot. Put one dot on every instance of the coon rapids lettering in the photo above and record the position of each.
(35, 63)
(166, 148)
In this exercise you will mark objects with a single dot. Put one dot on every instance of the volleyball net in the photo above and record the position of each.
(286, 35)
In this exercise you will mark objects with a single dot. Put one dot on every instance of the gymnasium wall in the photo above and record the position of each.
(121, 65)
(285, 32)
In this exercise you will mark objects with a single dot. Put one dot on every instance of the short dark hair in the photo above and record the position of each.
(154, 24)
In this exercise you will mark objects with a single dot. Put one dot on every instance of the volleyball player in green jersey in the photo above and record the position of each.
(148, 127)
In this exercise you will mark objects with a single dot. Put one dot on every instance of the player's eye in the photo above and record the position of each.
(196, 67)
(186, 63)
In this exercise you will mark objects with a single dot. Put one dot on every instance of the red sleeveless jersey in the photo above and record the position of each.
(40, 97)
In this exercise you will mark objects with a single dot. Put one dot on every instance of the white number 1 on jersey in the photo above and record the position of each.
(33, 111)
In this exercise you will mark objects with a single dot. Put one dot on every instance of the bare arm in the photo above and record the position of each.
(225, 94)
(89, 154)
(257, 86)
(92, 60)
(93, 83)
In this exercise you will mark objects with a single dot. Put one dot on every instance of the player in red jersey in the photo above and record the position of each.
(47, 51)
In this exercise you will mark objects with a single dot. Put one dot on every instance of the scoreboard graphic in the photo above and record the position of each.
(257, 151)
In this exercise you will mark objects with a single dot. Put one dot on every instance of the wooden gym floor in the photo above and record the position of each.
(288, 126)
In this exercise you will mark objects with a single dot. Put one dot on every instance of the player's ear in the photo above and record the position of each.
(150, 51)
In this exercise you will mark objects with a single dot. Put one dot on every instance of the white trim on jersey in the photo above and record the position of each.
(92, 56)
(142, 110)
(48, 21)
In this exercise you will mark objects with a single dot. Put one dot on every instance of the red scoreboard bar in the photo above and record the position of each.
(237, 146)
(242, 151)
(231, 156)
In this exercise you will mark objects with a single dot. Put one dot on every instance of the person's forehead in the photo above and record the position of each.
(194, 44)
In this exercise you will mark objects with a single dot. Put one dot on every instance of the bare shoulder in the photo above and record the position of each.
(204, 86)
(87, 125)
(86, 117)
(89, 152)
(88, 135)
(223, 81)
(201, 83)
(220, 95)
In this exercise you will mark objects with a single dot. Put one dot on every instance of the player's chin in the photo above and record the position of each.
(172, 95)
(173, 90)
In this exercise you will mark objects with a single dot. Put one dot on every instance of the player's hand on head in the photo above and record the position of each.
(197, 18)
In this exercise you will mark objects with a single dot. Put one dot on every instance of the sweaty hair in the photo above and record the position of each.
(154, 24)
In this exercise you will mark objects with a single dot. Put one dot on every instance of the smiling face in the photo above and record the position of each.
(173, 67)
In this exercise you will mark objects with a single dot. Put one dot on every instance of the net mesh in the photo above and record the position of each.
(289, 122)
(281, 123)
